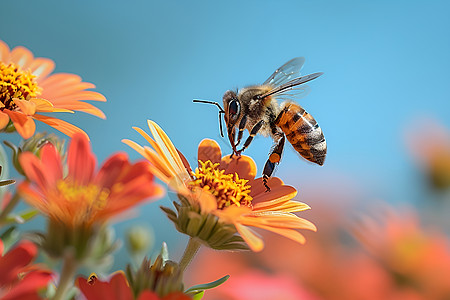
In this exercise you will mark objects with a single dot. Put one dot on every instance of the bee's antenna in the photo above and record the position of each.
(221, 111)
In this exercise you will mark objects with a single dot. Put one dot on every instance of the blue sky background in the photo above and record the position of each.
(385, 62)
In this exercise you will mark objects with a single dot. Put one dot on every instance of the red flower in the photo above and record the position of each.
(117, 288)
(83, 196)
(19, 279)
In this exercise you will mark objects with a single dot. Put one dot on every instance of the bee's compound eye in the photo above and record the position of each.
(234, 108)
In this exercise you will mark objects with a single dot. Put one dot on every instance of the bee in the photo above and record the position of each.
(257, 108)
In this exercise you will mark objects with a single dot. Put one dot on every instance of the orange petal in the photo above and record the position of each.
(60, 125)
(24, 125)
(243, 165)
(81, 95)
(41, 68)
(4, 52)
(289, 233)
(209, 150)
(4, 119)
(162, 173)
(22, 57)
(81, 106)
(52, 161)
(259, 188)
(277, 219)
(255, 242)
(286, 206)
(43, 105)
(276, 195)
(59, 80)
(27, 107)
(71, 87)
(170, 152)
(80, 159)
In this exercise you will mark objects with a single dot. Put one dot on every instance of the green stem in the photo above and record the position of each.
(9, 208)
(66, 279)
(189, 253)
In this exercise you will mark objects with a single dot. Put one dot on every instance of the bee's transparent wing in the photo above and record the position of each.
(286, 72)
(297, 93)
(292, 88)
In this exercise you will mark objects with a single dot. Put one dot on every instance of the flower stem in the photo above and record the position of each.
(67, 274)
(9, 208)
(189, 253)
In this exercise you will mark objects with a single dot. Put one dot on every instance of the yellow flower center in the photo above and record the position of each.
(16, 83)
(87, 198)
(228, 189)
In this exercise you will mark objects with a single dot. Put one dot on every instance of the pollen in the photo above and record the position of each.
(228, 189)
(89, 196)
(16, 84)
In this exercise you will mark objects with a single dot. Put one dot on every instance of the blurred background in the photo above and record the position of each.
(383, 105)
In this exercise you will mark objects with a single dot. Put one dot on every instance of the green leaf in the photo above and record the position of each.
(10, 237)
(196, 289)
(22, 217)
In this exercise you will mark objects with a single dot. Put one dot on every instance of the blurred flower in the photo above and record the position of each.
(256, 285)
(222, 196)
(84, 199)
(430, 146)
(19, 279)
(118, 288)
(26, 89)
(414, 257)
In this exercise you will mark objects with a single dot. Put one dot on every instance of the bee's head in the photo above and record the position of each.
(232, 108)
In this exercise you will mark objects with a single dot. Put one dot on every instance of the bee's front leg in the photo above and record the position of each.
(241, 129)
(272, 162)
(253, 132)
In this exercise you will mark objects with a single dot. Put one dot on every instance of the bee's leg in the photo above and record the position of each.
(231, 137)
(253, 132)
(274, 159)
(241, 129)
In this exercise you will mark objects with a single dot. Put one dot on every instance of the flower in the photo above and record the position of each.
(414, 257)
(431, 151)
(19, 279)
(27, 88)
(222, 196)
(84, 198)
(118, 288)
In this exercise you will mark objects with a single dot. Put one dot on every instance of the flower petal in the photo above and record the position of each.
(80, 159)
(27, 107)
(29, 285)
(14, 260)
(209, 150)
(276, 195)
(117, 288)
(60, 125)
(255, 243)
(243, 165)
(4, 52)
(41, 68)
(4, 119)
(22, 57)
(24, 125)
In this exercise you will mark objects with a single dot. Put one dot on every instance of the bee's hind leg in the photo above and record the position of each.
(272, 162)
(253, 132)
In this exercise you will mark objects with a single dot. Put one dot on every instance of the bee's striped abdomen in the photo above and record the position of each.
(303, 132)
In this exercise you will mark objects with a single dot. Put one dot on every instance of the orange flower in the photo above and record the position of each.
(19, 279)
(118, 288)
(222, 191)
(415, 257)
(84, 196)
(27, 88)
